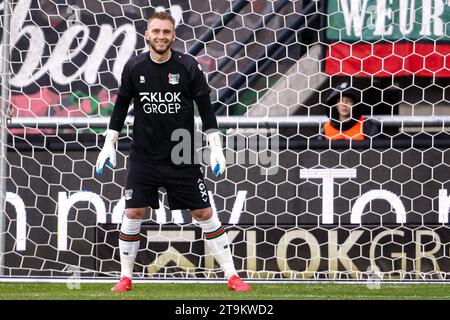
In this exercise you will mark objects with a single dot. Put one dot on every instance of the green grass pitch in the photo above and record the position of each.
(218, 291)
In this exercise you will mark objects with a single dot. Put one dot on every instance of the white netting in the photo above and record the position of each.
(295, 205)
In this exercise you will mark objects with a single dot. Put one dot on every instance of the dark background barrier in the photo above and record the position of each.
(280, 219)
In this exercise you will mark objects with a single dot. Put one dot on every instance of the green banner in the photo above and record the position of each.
(372, 20)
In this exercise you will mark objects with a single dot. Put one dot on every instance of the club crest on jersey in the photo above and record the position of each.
(174, 78)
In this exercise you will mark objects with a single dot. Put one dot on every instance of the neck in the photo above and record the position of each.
(343, 118)
(160, 58)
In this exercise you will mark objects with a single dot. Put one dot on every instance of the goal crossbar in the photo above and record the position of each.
(226, 122)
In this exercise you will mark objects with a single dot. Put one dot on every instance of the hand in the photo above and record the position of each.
(217, 158)
(108, 153)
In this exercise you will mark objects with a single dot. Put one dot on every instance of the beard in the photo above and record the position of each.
(159, 48)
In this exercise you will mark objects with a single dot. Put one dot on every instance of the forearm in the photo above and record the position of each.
(214, 139)
(206, 112)
(119, 113)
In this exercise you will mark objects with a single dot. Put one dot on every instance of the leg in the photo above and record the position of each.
(202, 214)
(189, 191)
(218, 242)
(141, 191)
(135, 213)
(216, 238)
(129, 239)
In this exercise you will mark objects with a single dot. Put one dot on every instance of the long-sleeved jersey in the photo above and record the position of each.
(163, 95)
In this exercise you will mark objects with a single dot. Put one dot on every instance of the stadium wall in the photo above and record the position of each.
(325, 212)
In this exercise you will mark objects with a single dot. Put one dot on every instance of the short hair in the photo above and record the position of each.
(161, 15)
(347, 95)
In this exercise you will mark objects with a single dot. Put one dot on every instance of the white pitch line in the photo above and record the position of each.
(215, 281)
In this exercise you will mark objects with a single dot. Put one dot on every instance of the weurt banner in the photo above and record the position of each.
(384, 38)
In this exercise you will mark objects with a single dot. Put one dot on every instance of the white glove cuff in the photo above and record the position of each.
(112, 135)
(214, 140)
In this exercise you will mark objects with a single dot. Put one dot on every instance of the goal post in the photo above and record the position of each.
(295, 205)
(3, 122)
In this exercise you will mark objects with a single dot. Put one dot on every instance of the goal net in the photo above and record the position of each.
(295, 204)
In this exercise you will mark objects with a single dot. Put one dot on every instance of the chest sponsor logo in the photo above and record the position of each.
(174, 78)
(161, 103)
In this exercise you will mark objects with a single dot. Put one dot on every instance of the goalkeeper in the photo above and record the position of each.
(163, 84)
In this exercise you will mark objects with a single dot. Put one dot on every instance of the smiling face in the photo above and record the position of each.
(160, 35)
(344, 108)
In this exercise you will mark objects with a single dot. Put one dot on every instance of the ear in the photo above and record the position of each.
(147, 35)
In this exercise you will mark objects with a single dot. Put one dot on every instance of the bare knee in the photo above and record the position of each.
(135, 213)
(202, 214)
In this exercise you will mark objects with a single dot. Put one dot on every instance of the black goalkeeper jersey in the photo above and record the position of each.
(163, 95)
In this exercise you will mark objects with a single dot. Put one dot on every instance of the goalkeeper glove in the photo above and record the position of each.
(108, 153)
(217, 158)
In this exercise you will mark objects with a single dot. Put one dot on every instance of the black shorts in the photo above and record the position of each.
(185, 186)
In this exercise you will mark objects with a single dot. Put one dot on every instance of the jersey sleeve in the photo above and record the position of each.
(201, 91)
(206, 112)
(123, 100)
(126, 85)
(199, 85)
